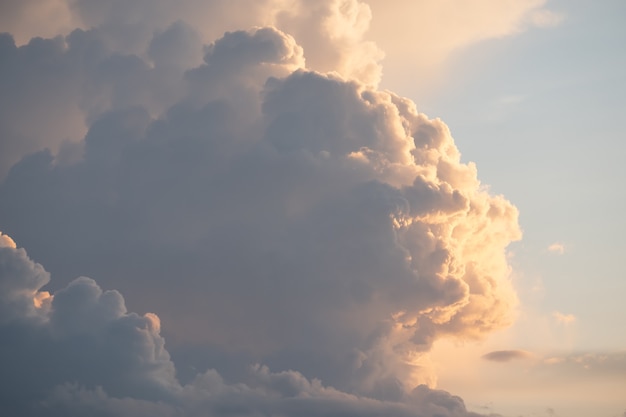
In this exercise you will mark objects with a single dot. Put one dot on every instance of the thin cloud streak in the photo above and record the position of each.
(506, 355)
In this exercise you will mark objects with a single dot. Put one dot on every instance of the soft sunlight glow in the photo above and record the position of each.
(6, 241)
(42, 299)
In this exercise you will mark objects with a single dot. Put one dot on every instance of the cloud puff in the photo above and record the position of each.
(74, 78)
(562, 318)
(557, 248)
(20, 284)
(64, 84)
(506, 355)
(84, 353)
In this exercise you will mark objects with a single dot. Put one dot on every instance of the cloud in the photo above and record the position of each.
(26, 19)
(93, 66)
(256, 189)
(271, 203)
(564, 319)
(343, 36)
(506, 355)
(333, 34)
(6, 241)
(605, 365)
(64, 84)
(418, 37)
(557, 248)
(100, 358)
(20, 284)
(81, 333)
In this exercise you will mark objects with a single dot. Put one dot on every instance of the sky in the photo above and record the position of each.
(332, 207)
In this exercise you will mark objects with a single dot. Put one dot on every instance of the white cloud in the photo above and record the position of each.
(557, 248)
(564, 319)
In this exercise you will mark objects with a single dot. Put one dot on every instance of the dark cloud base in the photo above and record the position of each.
(80, 352)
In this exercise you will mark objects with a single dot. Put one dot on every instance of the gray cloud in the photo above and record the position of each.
(81, 334)
(506, 355)
(306, 217)
(81, 74)
(79, 351)
(290, 237)
(39, 82)
(65, 84)
(271, 213)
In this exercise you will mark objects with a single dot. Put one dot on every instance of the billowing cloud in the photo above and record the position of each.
(272, 205)
(65, 84)
(304, 203)
(81, 352)
(94, 66)
(343, 36)
(506, 355)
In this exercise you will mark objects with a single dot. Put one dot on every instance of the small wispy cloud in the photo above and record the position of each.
(557, 248)
(506, 355)
(581, 363)
(564, 319)
(553, 360)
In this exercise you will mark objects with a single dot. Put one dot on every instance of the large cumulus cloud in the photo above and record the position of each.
(270, 213)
